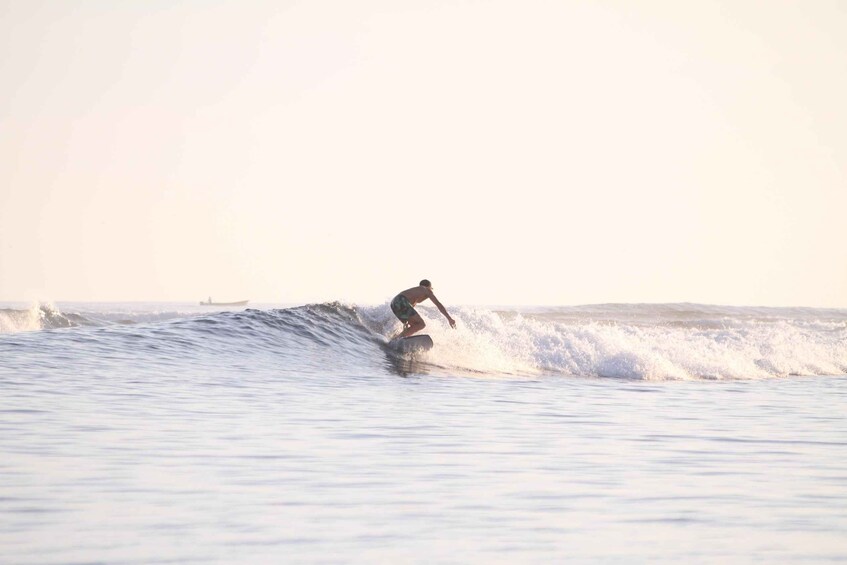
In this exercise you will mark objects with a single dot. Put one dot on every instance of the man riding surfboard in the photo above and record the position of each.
(403, 306)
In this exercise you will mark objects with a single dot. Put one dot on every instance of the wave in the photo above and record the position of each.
(646, 342)
(39, 316)
(48, 316)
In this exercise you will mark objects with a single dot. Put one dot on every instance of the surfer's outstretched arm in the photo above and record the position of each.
(443, 309)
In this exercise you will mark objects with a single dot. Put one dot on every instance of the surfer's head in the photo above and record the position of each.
(426, 283)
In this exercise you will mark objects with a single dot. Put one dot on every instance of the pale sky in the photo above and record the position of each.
(513, 152)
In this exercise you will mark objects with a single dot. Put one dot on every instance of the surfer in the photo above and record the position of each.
(404, 303)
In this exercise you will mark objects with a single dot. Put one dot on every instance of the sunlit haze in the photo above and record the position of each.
(532, 152)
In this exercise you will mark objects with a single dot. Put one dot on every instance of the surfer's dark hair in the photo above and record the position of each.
(425, 283)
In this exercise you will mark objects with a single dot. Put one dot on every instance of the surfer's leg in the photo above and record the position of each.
(414, 324)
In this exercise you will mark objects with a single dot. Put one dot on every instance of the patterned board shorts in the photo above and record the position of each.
(402, 308)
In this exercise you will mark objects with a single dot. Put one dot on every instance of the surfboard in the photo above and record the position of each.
(412, 343)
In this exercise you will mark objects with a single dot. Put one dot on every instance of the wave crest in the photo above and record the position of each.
(40, 316)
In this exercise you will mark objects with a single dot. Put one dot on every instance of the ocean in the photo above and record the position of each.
(176, 433)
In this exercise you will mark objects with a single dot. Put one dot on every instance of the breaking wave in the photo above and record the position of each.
(646, 342)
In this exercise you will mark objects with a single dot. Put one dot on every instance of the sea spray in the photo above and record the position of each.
(655, 343)
(38, 316)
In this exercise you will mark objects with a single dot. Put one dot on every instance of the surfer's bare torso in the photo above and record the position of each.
(418, 294)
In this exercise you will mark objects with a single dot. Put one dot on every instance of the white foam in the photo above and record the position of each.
(734, 347)
(36, 317)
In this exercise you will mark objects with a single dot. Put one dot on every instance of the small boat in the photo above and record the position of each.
(210, 303)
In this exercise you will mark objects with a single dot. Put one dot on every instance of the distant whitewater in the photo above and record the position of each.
(645, 342)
